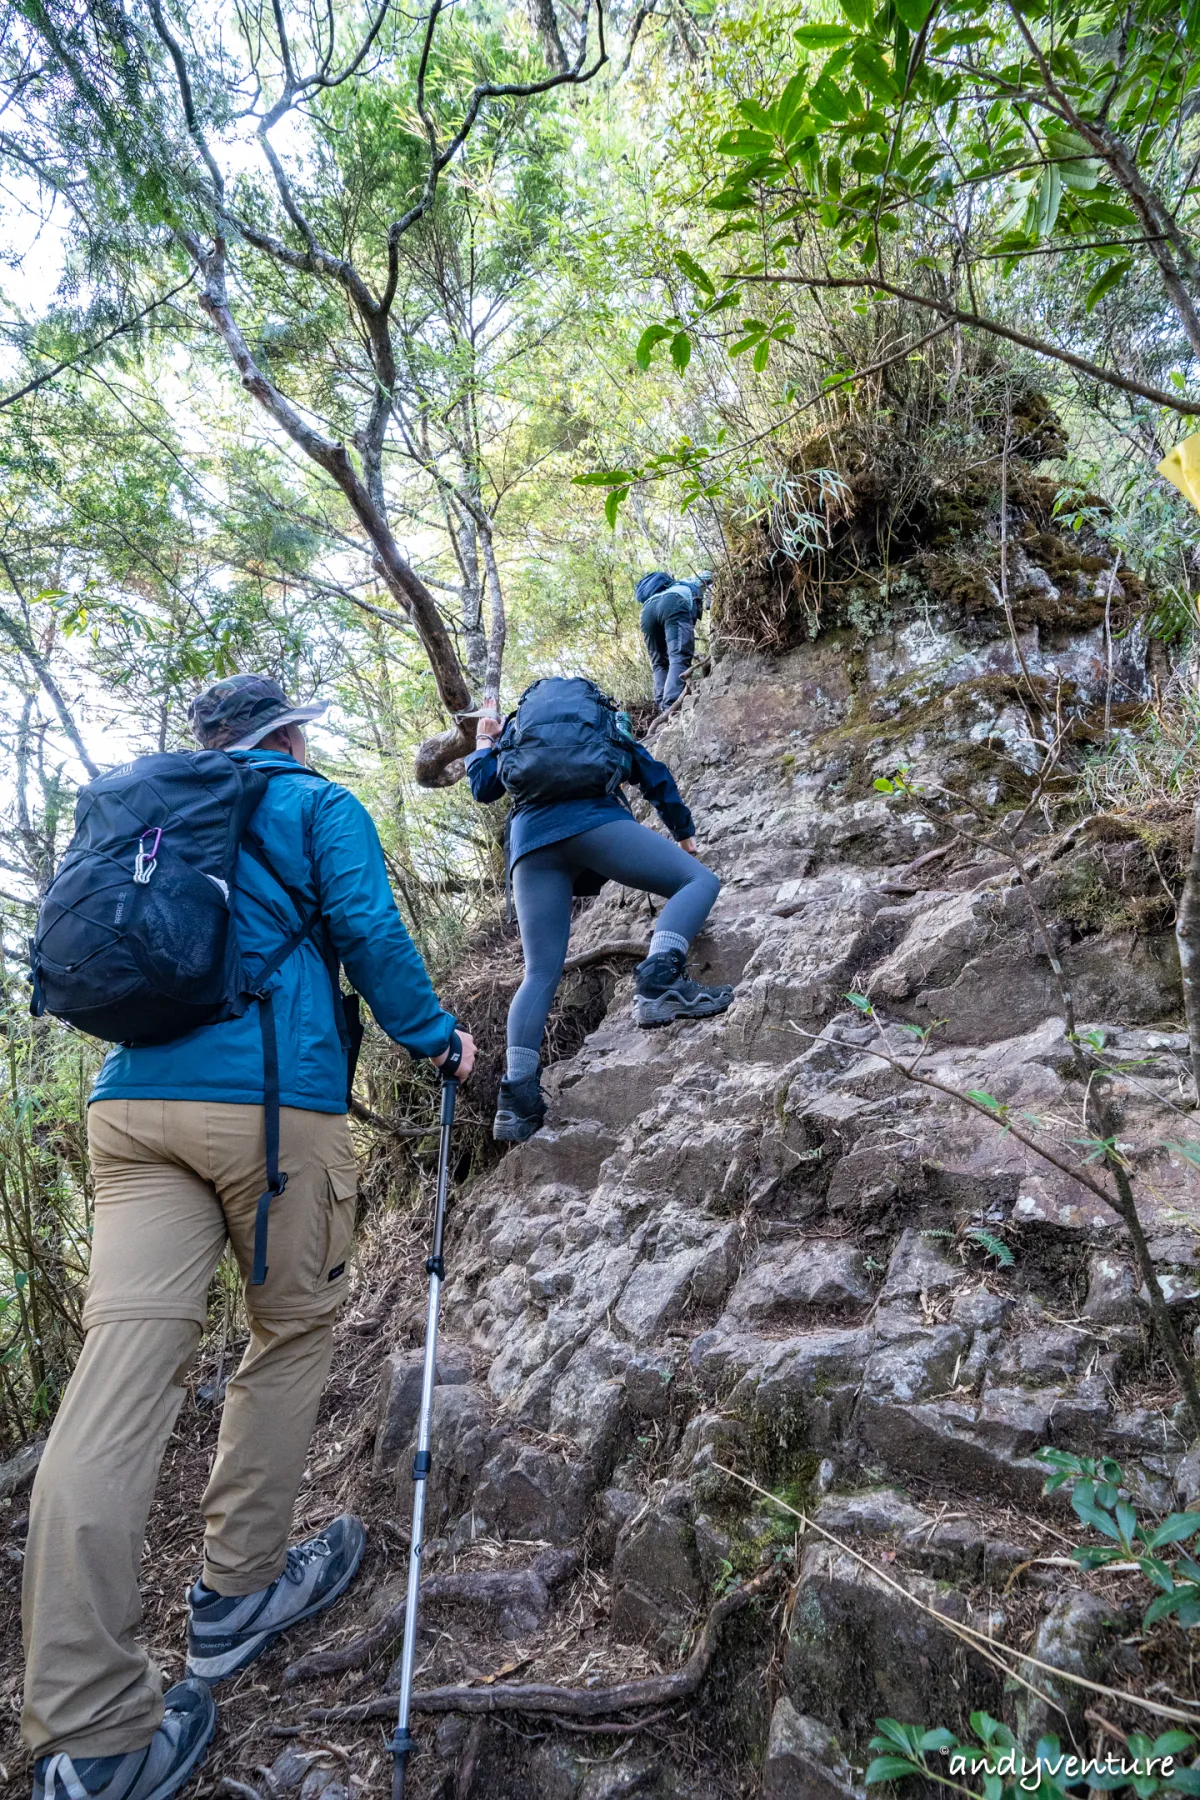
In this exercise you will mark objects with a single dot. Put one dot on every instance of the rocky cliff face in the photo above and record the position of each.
(751, 1245)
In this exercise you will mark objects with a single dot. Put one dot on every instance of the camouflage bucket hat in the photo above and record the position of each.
(237, 713)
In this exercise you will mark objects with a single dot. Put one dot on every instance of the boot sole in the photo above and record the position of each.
(230, 1662)
(511, 1130)
(665, 1010)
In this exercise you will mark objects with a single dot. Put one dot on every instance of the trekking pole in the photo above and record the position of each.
(402, 1744)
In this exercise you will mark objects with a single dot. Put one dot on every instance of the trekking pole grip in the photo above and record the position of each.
(449, 1096)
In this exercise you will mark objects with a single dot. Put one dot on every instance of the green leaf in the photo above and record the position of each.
(1090, 1513)
(653, 334)
(860, 1001)
(859, 12)
(1173, 1743)
(681, 350)
(1047, 201)
(612, 505)
(1109, 214)
(733, 199)
(827, 99)
(788, 103)
(761, 355)
(983, 1099)
(1080, 176)
(758, 116)
(746, 143)
(1176, 1529)
(913, 13)
(870, 68)
(694, 272)
(605, 478)
(891, 1768)
(1112, 277)
(822, 37)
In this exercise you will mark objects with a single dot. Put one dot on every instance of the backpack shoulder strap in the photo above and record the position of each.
(308, 923)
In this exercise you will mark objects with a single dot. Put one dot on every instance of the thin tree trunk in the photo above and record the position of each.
(437, 754)
(1187, 936)
(21, 638)
(541, 17)
(498, 626)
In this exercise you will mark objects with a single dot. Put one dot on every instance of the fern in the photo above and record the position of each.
(987, 1240)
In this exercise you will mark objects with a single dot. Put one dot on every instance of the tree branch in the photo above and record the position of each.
(90, 349)
(575, 76)
(23, 641)
(958, 317)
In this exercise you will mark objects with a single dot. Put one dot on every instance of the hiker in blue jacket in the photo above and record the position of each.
(671, 610)
(176, 1136)
(560, 849)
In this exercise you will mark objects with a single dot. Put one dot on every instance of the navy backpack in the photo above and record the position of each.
(135, 940)
(566, 741)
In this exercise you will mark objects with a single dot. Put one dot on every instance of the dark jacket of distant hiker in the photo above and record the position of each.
(670, 613)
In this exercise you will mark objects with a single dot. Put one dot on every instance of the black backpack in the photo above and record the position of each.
(566, 741)
(135, 940)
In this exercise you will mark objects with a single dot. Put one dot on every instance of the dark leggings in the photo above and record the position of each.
(543, 884)
(671, 647)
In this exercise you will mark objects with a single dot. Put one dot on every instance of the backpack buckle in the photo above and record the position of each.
(145, 862)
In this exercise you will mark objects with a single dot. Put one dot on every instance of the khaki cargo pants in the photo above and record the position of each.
(173, 1180)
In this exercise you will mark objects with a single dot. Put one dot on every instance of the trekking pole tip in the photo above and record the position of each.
(402, 1746)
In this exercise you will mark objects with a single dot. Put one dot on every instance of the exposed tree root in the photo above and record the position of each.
(527, 1589)
(579, 1703)
(587, 959)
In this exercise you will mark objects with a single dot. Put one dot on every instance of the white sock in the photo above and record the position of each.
(521, 1063)
(663, 942)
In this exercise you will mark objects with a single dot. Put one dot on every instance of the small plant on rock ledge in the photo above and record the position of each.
(1146, 1766)
(1096, 1497)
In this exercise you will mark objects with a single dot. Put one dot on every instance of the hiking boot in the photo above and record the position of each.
(520, 1110)
(227, 1631)
(664, 992)
(157, 1770)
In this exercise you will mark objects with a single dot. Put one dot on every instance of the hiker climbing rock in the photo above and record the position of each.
(562, 757)
(180, 1131)
(671, 610)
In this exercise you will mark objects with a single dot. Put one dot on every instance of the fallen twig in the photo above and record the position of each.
(238, 1790)
(581, 1703)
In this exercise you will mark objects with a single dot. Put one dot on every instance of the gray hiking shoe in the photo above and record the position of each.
(664, 992)
(520, 1110)
(154, 1772)
(227, 1631)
